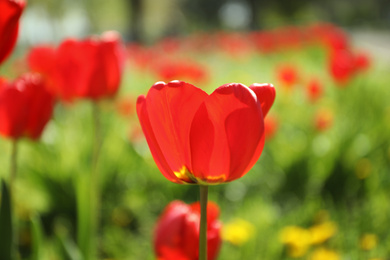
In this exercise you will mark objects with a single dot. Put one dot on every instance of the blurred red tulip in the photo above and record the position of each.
(169, 69)
(323, 119)
(10, 13)
(205, 139)
(314, 90)
(126, 106)
(336, 39)
(362, 61)
(91, 68)
(177, 232)
(287, 75)
(41, 59)
(264, 41)
(142, 56)
(342, 66)
(234, 44)
(25, 107)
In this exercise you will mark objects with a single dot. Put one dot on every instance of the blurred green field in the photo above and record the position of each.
(304, 177)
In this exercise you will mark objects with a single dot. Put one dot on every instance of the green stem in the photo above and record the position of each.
(12, 176)
(97, 138)
(13, 165)
(95, 189)
(203, 222)
(89, 195)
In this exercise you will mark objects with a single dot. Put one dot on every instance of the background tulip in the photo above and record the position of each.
(9, 25)
(177, 232)
(90, 68)
(205, 139)
(25, 107)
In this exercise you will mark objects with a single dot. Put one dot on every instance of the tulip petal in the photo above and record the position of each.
(12, 112)
(265, 94)
(212, 210)
(74, 69)
(170, 108)
(152, 142)
(177, 232)
(113, 55)
(225, 135)
(25, 107)
(170, 224)
(9, 26)
(40, 105)
(41, 59)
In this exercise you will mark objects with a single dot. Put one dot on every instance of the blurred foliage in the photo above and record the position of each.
(304, 170)
(147, 20)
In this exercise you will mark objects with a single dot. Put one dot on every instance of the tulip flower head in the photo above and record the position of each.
(342, 66)
(362, 61)
(90, 68)
(196, 138)
(323, 119)
(314, 90)
(25, 107)
(287, 76)
(11, 10)
(177, 232)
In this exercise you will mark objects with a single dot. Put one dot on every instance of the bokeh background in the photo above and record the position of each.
(321, 187)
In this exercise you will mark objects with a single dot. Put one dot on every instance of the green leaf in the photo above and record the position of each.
(6, 235)
(68, 247)
(37, 238)
(85, 239)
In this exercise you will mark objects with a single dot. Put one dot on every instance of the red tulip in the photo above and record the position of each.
(177, 232)
(11, 10)
(41, 59)
(314, 90)
(91, 68)
(205, 139)
(362, 61)
(323, 119)
(25, 107)
(342, 66)
(287, 75)
(168, 69)
(264, 41)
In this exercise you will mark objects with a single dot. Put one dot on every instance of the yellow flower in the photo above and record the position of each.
(322, 232)
(297, 240)
(238, 231)
(324, 254)
(368, 241)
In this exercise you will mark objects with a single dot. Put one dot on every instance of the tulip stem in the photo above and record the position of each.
(12, 176)
(203, 222)
(97, 138)
(89, 195)
(95, 189)
(13, 165)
